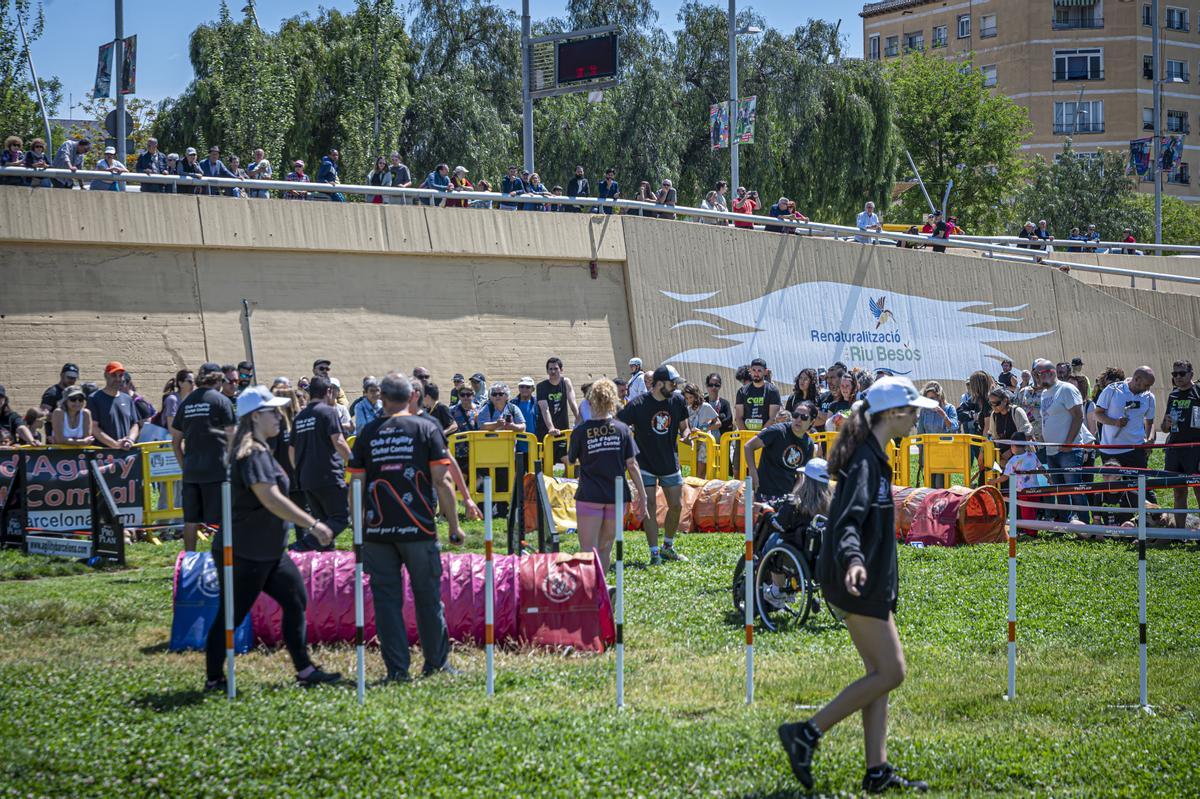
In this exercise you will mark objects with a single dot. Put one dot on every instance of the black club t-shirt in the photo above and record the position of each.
(318, 464)
(724, 413)
(783, 454)
(1183, 411)
(395, 453)
(755, 401)
(556, 401)
(441, 414)
(600, 447)
(202, 418)
(655, 426)
(258, 534)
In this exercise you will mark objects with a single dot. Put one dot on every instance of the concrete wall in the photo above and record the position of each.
(157, 282)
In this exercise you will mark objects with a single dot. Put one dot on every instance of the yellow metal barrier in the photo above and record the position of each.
(160, 468)
(824, 441)
(949, 455)
(548, 445)
(735, 438)
(492, 453)
(689, 454)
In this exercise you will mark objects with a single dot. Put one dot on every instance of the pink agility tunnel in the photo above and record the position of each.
(580, 618)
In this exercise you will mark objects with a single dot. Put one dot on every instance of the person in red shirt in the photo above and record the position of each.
(745, 203)
(931, 223)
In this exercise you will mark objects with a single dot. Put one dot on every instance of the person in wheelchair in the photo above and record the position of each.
(786, 447)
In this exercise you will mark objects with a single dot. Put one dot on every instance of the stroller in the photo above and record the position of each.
(786, 545)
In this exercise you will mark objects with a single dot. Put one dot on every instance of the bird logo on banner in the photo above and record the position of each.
(880, 313)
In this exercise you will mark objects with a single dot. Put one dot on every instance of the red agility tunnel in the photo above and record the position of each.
(566, 593)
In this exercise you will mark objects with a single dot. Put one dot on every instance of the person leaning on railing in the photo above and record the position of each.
(13, 423)
(72, 421)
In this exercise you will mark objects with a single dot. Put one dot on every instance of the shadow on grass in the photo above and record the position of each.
(156, 649)
(172, 700)
(778, 793)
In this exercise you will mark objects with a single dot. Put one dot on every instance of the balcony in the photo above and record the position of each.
(1072, 128)
(1069, 75)
(1077, 23)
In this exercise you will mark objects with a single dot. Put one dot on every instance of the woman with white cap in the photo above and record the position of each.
(858, 576)
(109, 163)
(261, 513)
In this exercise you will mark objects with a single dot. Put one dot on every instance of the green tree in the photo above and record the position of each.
(1180, 219)
(957, 129)
(96, 109)
(19, 112)
(1074, 191)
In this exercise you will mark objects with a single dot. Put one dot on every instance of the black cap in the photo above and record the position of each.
(1077, 361)
(70, 368)
(665, 372)
(1020, 436)
(246, 366)
(210, 368)
(478, 377)
(320, 361)
(759, 362)
(458, 375)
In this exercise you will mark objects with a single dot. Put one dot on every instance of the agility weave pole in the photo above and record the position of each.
(489, 588)
(1012, 590)
(619, 612)
(227, 568)
(357, 497)
(748, 575)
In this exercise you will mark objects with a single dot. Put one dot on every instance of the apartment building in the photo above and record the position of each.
(1083, 68)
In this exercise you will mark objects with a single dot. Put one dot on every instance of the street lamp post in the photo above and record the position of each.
(733, 89)
(1156, 60)
(118, 58)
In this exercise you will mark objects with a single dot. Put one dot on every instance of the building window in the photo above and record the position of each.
(914, 41)
(1068, 17)
(941, 35)
(964, 26)
(989, 75)
(1079, 64)
(873, 48)
(1180, 174)
(1148, 67)
(987, 26)
(1079, 117)
(1177, 19)
(893, 46)
(1147, 17)
(1147, 119)
(1177, 121)
(1177, 71)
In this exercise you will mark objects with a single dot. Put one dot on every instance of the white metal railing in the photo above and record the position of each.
(1000, 247)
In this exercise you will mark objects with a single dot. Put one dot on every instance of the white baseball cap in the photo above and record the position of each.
(895, 392)
(257, 398)
(526, 381)
(817, 469)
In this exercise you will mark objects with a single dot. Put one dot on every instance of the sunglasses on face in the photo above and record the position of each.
(466, 394)
(800, 417)
(499, 393)
(322, 368)
(714, 385)
(75, 399)
(1180, 374)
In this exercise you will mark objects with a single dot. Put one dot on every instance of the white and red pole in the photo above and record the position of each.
(227, 569)
(359, 644)
(1012, 587)
(748, 574)
(1143, 688)
(489, 589)
(619, 611)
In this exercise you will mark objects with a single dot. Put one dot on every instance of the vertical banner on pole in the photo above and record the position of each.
(227, 567)
(104, 68)
(748, 503)
(1012, 588)
(743, 126)
(357, 508)
(620, 609)
(489, 589)
(718, 125)
(1143, 688)
(128, 65)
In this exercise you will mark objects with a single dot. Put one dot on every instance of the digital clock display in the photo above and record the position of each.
(587, 59)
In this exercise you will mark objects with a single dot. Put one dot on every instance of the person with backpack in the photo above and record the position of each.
(858, 574)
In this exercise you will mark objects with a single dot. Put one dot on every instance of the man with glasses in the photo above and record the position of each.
(712, 385)
(200, 434)
(465, 414)
(322, 368)
(1181, 423)
(245, 375)
(53, 396)
(786, 447)
(1062, 428)
(229, 386)
(420, 373)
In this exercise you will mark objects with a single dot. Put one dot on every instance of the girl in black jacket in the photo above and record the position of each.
(857, 573)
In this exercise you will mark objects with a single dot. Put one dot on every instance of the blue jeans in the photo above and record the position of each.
(1067, 460)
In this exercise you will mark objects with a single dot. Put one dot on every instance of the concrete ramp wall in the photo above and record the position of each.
(157, 282)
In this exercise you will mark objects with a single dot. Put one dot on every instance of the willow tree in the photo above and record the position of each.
(19, 111)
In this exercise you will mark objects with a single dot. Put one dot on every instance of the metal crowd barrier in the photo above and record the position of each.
(697, 455)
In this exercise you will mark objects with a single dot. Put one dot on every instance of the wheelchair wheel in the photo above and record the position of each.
(739, 587)
(783, 588)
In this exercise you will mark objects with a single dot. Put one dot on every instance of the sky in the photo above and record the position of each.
(68, 46)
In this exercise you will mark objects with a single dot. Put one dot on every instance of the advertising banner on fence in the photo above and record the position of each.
(12, 529)
(57, 493)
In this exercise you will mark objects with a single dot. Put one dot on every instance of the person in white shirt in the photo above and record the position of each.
(1125, 410)
(637, 379)
(1062, 429)
(109, 163)
(868, 220)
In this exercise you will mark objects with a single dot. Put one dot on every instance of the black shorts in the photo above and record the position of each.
(1183, 460)
(202, 503)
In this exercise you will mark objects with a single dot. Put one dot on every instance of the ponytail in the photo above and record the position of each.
(854, 432)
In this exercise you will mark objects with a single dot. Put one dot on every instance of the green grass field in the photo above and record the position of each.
(92, 704)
